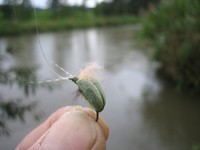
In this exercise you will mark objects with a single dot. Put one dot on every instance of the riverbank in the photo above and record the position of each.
(176, 42)
(44, 25)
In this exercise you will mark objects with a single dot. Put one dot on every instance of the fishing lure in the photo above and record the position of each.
(88, 86)
(90, 89)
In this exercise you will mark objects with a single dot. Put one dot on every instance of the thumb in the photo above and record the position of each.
(73, 131)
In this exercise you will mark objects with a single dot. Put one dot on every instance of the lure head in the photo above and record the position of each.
(74, 79)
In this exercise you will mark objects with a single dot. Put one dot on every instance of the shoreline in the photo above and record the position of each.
(8, 28)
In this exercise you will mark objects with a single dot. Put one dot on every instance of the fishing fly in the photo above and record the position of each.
(88, 86)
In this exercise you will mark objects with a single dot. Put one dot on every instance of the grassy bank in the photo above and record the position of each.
(173, 29)
(48, 24)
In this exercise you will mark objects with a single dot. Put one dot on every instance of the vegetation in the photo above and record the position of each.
(174, 30)
(17, 16)
(44, 24)
(121, 7)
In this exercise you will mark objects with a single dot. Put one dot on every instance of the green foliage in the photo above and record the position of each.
(6, 11)
(45, 23)
(123, 7)
(23, 13)
(174, 30)
(195, 147)
(15, 12)
(18, 18)
(54, 4)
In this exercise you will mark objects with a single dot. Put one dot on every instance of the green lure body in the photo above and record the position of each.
(92, 92)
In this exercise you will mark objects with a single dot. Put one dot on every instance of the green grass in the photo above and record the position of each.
(46, 23)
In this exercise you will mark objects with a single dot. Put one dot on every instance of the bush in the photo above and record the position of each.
(174, 30)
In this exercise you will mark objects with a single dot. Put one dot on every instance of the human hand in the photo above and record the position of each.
(69, 128)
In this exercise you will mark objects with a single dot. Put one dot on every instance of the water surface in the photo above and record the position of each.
(142, 113)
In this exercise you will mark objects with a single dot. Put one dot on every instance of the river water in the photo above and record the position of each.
(142, 111)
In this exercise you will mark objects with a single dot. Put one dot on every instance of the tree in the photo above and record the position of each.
(173, 29)
(26, 4)
(121, 7)
(25, 10)
(8, 9)
(54, 4)
(16, 10)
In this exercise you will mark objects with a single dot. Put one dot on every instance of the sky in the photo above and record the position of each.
(90, 3)
(43, 3)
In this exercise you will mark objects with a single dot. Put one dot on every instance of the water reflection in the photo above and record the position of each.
(132, 80)
(14, 108)
(173, 118)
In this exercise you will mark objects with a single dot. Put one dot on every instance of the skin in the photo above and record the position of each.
(71, 128)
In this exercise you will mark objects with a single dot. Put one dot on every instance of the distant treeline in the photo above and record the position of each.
(23, 9)
(121, 7)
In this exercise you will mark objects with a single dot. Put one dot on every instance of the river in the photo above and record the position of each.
(142, 111)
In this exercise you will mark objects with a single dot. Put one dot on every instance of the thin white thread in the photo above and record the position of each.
(67, 73)
(48, 81)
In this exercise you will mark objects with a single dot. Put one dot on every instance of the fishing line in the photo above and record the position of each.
(43, 54)
(61, 69)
